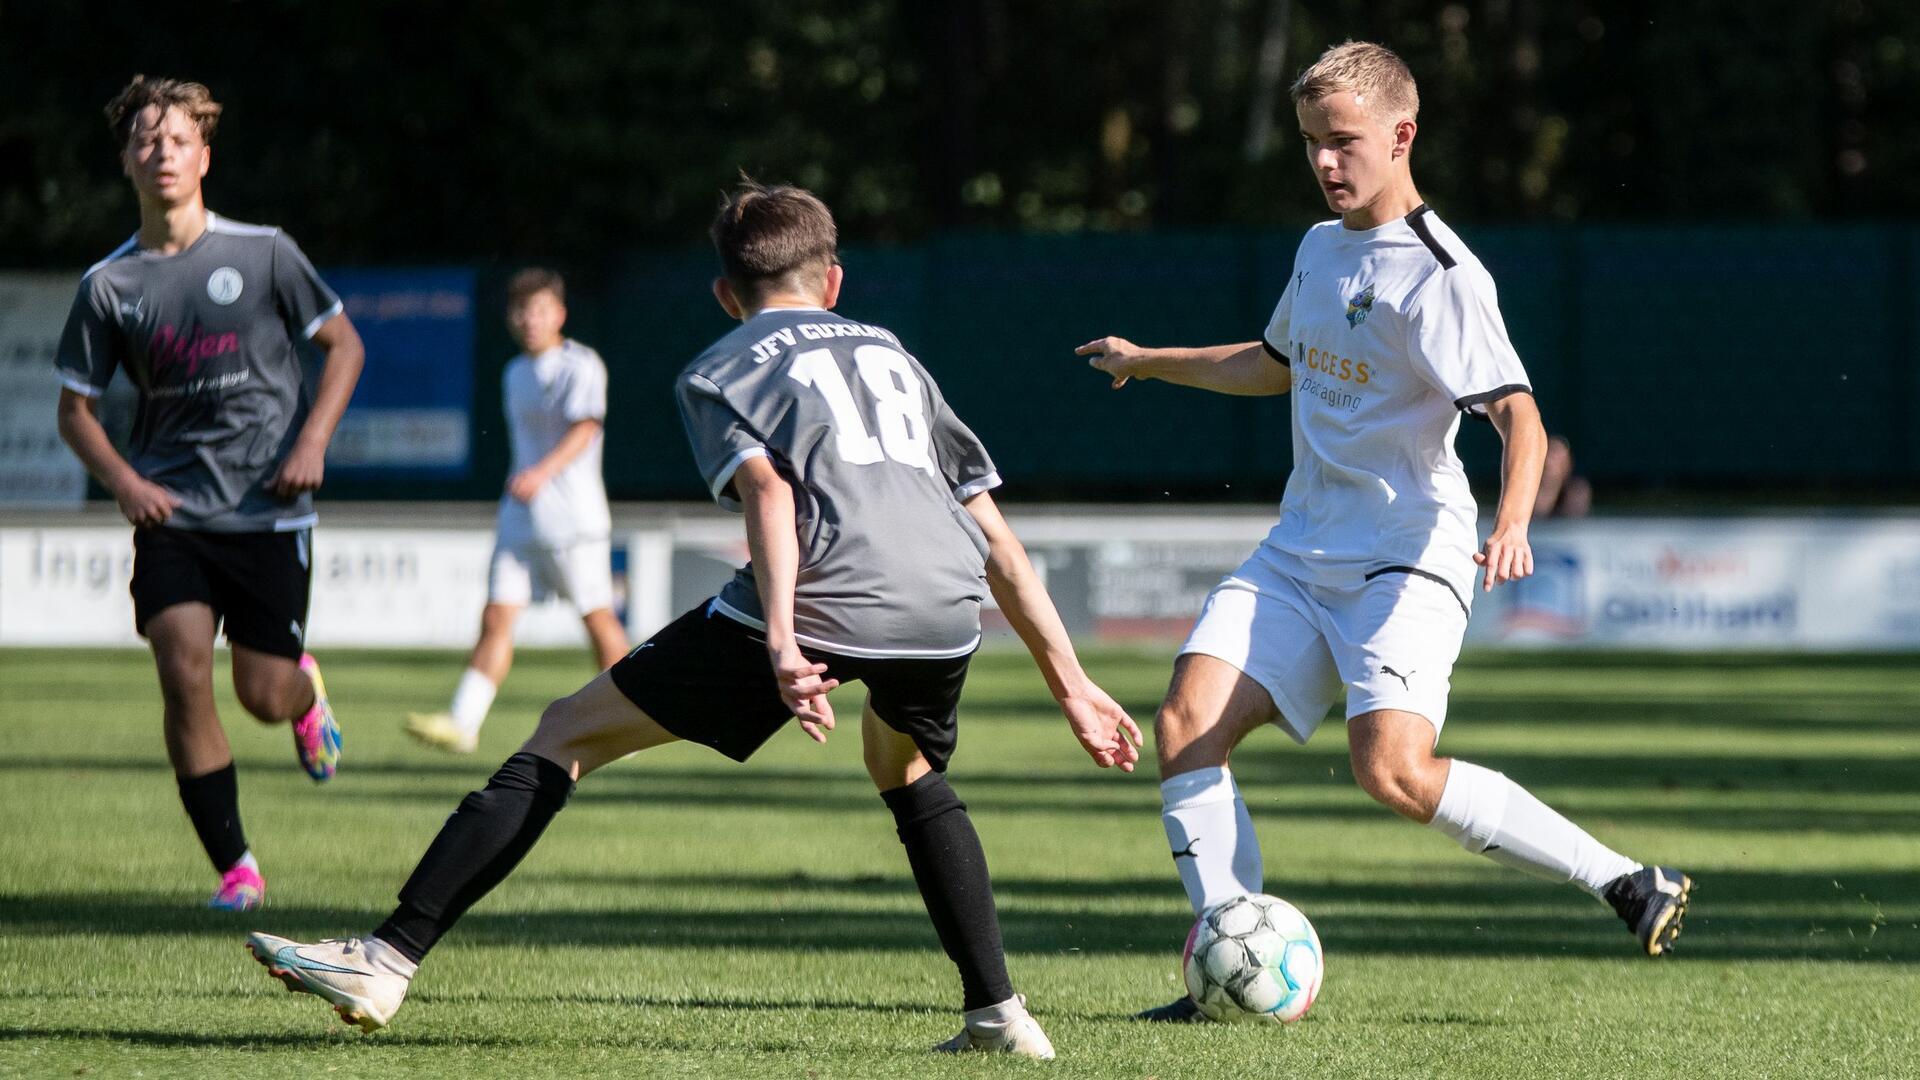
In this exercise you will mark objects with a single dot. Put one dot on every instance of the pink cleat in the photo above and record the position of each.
(241, 889)
(316, 736)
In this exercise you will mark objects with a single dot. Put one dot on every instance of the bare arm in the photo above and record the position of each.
(1244, 369)
(774, 545)
(526, 483)
(306, 463)
(1106, 731)
(1507, 555)
(144, 502)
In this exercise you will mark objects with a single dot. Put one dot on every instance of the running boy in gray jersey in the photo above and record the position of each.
(203, 315)
(873, 541)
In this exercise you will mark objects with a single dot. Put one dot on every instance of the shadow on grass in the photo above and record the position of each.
(1277, 780)
(195, 1040)
(1736, 916)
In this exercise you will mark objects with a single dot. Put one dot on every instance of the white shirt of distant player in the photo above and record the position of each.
(1393, 334)
(544, 396)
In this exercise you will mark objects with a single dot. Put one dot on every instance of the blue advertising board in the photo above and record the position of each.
(410, 413)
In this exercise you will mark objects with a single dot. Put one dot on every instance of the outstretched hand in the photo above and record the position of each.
(805, 691)
(1507, 557)
(1113, 356)
(1104, 729)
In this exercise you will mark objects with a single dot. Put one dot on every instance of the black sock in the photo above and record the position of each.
(213, 804)
(477, 848)
(951, 871)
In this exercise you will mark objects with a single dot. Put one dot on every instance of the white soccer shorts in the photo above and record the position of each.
(1388, 644)
(581, 574)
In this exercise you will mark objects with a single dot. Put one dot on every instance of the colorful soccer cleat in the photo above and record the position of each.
(241, 889)
(1651, 901)
(316, 736)
(1006, 1028)
(1183, 1011)
(362, 978)
(439, 731)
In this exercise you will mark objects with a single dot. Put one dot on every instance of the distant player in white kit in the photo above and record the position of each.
(553, 536)
(1388, 332)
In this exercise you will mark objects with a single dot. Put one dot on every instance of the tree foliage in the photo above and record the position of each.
(481, 129)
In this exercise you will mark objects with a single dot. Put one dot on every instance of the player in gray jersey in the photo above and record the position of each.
(874, 541)
(890, 562)
(203, 315)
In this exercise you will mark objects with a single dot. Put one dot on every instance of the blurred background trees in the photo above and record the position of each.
(441, 130)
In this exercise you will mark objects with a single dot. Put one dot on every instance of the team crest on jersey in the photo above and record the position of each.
(224, 286)
(1358, 307)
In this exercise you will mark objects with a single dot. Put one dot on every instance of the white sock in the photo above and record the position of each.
(1490, 815)
(1211, 837)
(991, 1020)
(387, 957)
(247, 861)
(471, 700)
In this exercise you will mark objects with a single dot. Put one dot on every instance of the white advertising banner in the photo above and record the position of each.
(36, 468)
(377, 587)
(1819, 583)
(1758, 583)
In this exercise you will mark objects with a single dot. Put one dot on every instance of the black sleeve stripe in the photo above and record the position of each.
(1418, 219)
(1473, 402)
(1278, 356)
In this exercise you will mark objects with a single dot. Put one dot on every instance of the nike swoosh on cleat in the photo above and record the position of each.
(290, 956)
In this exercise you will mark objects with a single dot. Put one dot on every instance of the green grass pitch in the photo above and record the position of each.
(688, 917)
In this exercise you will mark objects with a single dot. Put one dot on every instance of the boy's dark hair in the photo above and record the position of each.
(766, 235)
(522, 286)
(189, 97)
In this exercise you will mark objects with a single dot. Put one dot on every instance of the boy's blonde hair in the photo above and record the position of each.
(1372, 73)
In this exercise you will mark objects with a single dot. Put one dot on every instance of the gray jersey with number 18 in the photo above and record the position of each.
(891, 565)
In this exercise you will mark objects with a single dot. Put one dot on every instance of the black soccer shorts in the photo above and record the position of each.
(257, 583)
(707, 679)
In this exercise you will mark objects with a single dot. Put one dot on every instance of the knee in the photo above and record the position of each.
(496, 621)
(1179, 731)
(921, 801)
(1398, 782)
(258, 697)
(556, 720)
(563, 732)
(184, 676)
(889, 769)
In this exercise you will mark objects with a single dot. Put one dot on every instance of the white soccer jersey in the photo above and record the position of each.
(543, 396)
(1392, 334)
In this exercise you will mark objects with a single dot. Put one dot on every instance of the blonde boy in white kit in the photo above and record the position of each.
(554, 528)
(1387, 334)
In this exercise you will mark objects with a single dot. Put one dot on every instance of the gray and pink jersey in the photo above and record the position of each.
(208, 336)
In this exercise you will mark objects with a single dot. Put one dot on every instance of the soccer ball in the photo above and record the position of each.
(1253, 958)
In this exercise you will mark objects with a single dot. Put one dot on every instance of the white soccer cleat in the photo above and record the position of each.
(439, 731)
(1006, 1028)
(364, 979)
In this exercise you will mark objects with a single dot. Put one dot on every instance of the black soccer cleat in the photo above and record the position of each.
(1651, 901)
(1183, 1011)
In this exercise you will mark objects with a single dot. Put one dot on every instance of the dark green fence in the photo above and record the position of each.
(1745, 357)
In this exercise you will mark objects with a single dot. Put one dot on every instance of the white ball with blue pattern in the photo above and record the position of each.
(1253, 958)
